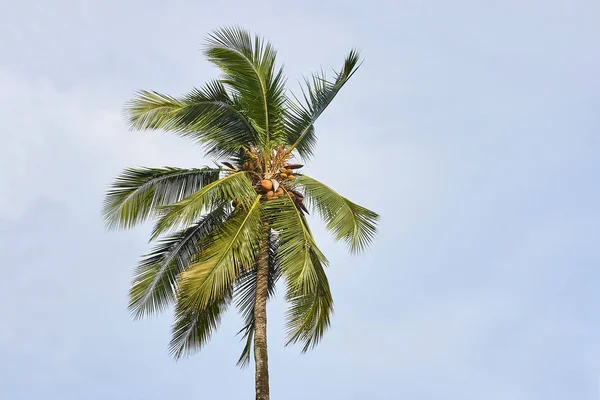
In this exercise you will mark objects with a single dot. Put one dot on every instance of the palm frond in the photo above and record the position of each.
(137, 193)
(346, 220)
(208, 115)
(193, 326)
(310, 312)
(232, 251)
(302, 264)
(245, 297)
(248, 65)
(154, 286)
(318, 94)
(234, 186)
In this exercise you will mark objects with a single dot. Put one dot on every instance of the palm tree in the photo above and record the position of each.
(227, 234)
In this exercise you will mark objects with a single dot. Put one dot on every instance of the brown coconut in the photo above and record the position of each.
(283, 176)
(279, 191)
(266, 185)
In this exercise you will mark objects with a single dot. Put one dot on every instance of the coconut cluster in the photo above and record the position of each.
(272, 188)
(274, 184)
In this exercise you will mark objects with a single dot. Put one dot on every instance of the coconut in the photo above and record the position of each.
(266, 185)
(283, 176)
(279, 191)
(289, 171)
(291, 177)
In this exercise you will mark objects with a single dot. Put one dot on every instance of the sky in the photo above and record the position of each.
(472, 128)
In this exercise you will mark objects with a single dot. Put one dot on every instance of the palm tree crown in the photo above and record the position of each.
(215, 226)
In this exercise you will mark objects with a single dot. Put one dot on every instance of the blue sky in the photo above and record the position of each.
(472, 128)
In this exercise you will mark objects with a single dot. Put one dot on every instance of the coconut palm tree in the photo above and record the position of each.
(226, 234)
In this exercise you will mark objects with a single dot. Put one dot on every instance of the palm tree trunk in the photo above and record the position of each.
(260, 320)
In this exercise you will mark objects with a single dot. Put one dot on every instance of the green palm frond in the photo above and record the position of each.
(248, 65)
(302, 264)
(318, 94)
(215, 194)
(310, 311)
(245, 297)
(193, 326)
(346, 220)
(232, 251)
(137, 193)
(207, 115)
(154, 285)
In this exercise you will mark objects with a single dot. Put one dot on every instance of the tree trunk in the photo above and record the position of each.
(260, 321)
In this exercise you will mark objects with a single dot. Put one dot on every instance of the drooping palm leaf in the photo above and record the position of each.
(205, 288)
(310, 310)
(232, 251)
(154, 285)
(302, 264)
(193, 326)
(318, 94)
(346, 220)
(137, 193)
